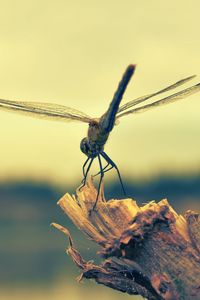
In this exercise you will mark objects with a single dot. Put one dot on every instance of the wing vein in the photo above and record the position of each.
(146, 97)
(45, 110)
(174, 97)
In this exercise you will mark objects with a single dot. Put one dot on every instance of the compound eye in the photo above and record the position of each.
(84, 146)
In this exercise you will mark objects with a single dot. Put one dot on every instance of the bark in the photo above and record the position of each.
(149, 251)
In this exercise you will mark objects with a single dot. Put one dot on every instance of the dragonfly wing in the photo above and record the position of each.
(146, 97)
(44, 110)
(172, 98)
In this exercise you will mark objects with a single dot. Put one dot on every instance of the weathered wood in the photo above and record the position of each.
(150, 250)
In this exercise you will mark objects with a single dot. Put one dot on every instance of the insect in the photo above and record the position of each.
(99, 128)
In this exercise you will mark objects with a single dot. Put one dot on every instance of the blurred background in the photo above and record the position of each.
(74, 53)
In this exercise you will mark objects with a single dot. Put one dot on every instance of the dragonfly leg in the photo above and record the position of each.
(86, 173)
(100, 181)
(113, 165)
(104, 170)
(84, 165)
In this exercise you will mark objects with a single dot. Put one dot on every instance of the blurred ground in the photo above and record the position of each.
(32, 256)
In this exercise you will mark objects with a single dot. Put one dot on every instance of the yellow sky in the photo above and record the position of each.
(74, 53)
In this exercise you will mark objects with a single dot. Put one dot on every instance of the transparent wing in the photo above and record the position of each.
(172, 98)
(44, 110)
(146, 97)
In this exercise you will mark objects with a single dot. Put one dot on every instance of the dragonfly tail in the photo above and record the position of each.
(107, 121)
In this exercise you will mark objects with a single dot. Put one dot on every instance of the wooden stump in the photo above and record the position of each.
(149, 251)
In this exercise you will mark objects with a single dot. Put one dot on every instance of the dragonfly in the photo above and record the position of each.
(100, 128)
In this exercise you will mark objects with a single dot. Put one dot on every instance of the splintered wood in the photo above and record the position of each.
(149, 251)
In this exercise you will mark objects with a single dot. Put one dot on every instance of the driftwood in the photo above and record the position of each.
(149, 251)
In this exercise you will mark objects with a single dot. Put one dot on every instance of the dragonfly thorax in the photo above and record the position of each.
(90, 149)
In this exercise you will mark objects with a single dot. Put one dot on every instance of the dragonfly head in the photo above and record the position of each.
(91, 150)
